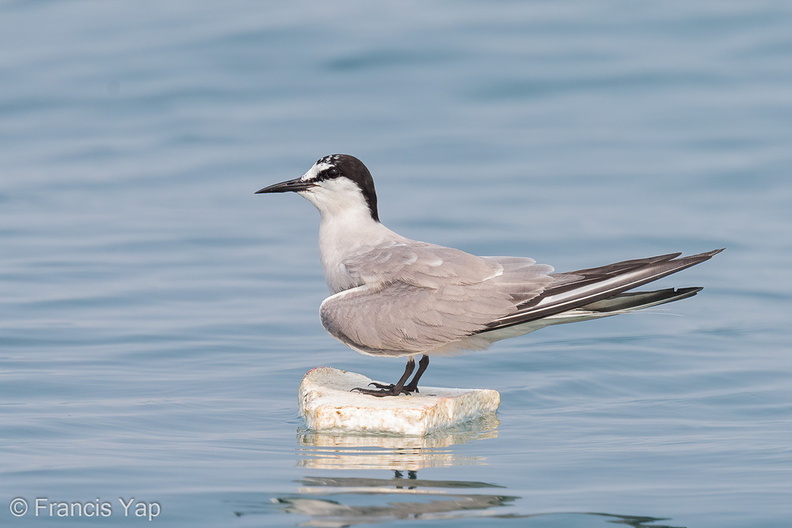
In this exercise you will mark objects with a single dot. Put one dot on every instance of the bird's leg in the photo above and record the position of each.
(390, 390)
(422, 364)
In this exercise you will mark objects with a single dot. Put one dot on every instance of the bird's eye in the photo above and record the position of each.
(332, 172)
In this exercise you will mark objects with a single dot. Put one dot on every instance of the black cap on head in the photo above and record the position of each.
(352, 168)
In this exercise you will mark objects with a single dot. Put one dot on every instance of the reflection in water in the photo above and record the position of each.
(333, 514)
(360, 501)
(408, 498)
(341, 501)
(399, 453)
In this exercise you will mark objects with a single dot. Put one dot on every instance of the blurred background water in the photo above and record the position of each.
(156, 317)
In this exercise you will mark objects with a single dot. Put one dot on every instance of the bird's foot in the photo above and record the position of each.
(401, 386)
(381, 390)
(407, 389)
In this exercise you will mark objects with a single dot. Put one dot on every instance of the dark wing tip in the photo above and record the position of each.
(709, 253)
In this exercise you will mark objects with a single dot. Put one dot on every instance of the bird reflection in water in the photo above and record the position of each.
(342, 501)
(358, 501)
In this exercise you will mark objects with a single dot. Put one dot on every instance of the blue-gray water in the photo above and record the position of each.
(156, 317)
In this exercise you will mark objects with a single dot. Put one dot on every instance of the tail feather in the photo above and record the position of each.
(629, 301)
(602, 288)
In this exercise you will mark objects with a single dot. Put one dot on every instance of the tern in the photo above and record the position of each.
(397, 297)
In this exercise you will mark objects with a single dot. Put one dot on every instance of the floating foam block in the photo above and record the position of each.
(327, 403)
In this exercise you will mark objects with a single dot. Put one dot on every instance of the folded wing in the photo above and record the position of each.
(420, 297)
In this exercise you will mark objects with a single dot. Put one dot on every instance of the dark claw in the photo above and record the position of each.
(383, 390)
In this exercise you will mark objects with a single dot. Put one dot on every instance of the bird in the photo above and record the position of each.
(397, 297)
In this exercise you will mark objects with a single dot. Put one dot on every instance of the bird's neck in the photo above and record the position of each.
(344, 236)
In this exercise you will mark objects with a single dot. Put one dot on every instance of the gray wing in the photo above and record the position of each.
(416, 298)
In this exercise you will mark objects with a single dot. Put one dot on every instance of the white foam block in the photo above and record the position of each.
(327, 403)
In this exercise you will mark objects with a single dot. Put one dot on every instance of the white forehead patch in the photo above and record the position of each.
(314, 171)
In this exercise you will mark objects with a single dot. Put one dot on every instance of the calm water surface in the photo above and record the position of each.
(156, 317)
